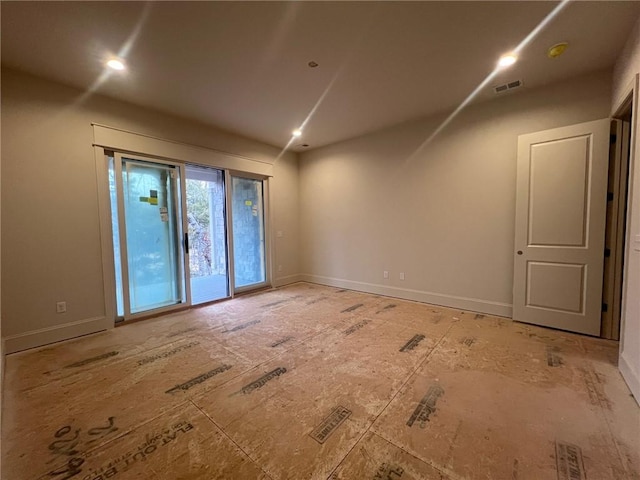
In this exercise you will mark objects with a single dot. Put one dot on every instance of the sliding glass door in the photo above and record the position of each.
(170, 224)
(152, 236)
(207, 234)
(249, 259)
(147, 242)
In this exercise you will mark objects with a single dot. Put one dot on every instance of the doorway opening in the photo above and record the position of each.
(206, 234)
(249, 249)
(616, 223)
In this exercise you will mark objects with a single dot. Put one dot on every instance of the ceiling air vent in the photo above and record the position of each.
(505, 87)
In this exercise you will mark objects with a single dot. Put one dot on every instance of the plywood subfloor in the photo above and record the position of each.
(312, 382)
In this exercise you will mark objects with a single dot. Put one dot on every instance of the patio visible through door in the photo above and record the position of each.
(206, 227)
(247, 200)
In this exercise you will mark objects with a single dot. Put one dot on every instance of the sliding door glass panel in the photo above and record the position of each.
(115, 229)
(152, 235)
(248, 232)
(207, 234)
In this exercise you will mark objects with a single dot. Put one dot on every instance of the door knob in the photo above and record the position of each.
(519, 252)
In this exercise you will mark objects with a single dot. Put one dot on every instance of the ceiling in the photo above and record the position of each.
(243, 66)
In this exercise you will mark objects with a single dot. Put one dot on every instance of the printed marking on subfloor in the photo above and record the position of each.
(182, 332)
(199, 379)
(70, 444)
(514, 470)
(260, 382)
(426, 407)
(280, 302)
(316, 300)
(468, 341)
(356, 327)
(387, 308)
(554, 359)
(352, 308)
(594, 386)
(97, 358)
(569, 462)
(273, 304)
(244, 325)
(279, 342)
(388, 471)
(145, 449)
(412, 343)
(330, 424)
(166, 353)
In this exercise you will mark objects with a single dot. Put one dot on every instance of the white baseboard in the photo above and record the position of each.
(57, 333)
(630, 376)
(463, 303)
(282, 281)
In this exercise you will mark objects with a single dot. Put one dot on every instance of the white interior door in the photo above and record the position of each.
(560, 223)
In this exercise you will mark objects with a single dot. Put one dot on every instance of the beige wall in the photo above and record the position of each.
(445, 215)
(286, 214)
(625, 75)
(50, 226)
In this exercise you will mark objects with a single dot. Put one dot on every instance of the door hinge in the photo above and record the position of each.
(607, 252)
(605, 307)
(610, 196)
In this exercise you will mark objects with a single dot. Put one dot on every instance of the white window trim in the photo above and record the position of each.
(125, 141)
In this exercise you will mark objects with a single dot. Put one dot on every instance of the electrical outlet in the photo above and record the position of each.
(61, 307)
(385, 274)
(401, 275)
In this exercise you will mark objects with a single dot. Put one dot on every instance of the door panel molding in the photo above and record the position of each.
(561, 218)
(549, 277)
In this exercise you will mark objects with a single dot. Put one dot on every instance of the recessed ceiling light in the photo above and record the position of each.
(312, 64)
(507, 60)
(297, 133)
(115, 64)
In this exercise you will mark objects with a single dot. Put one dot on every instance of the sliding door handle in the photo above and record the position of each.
(186, 243)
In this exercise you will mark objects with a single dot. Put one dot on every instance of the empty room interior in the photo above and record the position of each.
(320, 240)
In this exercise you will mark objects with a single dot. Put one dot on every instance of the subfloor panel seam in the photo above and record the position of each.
(231, 439)
(409, 377)
(439, 468)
